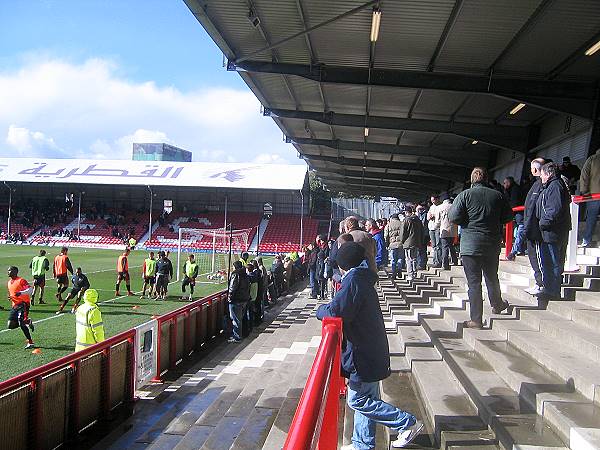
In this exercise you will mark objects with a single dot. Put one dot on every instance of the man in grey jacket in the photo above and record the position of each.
(590, 184)
(481, 212)
(393, 239)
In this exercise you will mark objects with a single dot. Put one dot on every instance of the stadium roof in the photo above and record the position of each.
(154, 173)
(414, 102)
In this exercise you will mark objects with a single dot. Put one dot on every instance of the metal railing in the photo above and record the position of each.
(187, 329)
(51, 404)
(315, 424)
(571, 261)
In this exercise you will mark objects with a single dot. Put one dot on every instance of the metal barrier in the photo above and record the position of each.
(315, 424)
(571, 261)
(51, 404)
(186, 329)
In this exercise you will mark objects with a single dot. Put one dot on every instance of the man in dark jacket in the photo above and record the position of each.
(531, 230)
(513, 194)
(277, 271)
(411, 238)
(481, 212)
(365, 354)
(554, 219)
(322, 251)
(238, 296)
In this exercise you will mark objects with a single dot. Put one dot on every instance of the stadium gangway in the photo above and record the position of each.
(571, 261)
(50, 405)
(315, 424)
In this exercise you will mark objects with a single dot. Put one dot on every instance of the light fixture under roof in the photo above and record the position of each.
(593, 49)
(366, 131)
(517, 108)
(365, 153)
(375, 22)
(475, 141)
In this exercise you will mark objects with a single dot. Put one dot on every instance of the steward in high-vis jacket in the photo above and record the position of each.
(89, 326)
(190, 272)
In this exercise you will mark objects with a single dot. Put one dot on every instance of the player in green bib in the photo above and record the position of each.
(190, 272)
(39, 265)
(148, 274)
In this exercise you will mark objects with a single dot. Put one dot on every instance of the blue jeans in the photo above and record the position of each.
(519, 242)
(398, 260)
(436, 247)
(236, 313)
(313, 283)
(364, 399)
(591, 216)
(552, 257)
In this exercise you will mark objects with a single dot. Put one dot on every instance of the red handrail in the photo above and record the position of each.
(53, 366)
(318, 406)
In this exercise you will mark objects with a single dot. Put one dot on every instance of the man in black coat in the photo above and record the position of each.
(481, 212)
(531, 230)
(554, 221)
(238, 296)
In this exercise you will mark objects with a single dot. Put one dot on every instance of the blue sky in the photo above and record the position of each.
(84, 78)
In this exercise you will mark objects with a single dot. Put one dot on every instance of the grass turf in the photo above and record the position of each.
(55, 335)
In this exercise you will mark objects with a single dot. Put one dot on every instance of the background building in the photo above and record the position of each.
(160, 152)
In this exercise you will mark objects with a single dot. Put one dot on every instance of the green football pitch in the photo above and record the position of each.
(54, 334)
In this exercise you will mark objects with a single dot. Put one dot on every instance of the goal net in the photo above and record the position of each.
(211, 247)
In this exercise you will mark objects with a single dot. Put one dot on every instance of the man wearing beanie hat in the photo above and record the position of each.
(365, 355)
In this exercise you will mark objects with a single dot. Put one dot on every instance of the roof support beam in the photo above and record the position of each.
(406, 178)
(398, 183)
(454, 155)
(341, 186)
(443, 172)
(561, 96)
(508, 137)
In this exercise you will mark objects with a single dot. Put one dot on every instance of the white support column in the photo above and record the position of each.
(571, 261)
(178, 252)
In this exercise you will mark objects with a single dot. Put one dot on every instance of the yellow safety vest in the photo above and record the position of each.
(90, 328)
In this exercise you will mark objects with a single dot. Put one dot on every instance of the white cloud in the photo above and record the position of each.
(87, 110)
(24, 142)
(270, 158)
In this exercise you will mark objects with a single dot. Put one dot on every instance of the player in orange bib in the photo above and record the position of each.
(62, 265)
(123, 272)
(19, 293)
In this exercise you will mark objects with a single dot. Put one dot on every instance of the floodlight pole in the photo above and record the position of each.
(79, 216)
(150, 219)
(9, 209)
(301, 219)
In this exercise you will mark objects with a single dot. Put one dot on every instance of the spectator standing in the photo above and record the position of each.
(393, 239)
(481, 212)
(322, 255)
(411, 237)
(381, 255)
(421, 212)
(336, 278)
(514, 195)
(433, 224)
(531, 229)
(448, 233)
(252, 312)
(571, 172)
(277, 271)
(590, 184)
(362, 238)
(365, 357)
(238, 296)
(263, 283)
(554, 220)
(89, 325)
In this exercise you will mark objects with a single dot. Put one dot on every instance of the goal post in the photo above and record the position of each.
(211, 248)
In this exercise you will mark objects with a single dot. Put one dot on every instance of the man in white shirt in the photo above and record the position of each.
(433, 217)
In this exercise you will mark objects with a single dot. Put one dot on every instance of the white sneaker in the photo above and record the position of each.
(535, 290)
(408, 435)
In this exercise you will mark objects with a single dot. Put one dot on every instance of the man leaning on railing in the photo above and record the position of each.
(365, 353)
